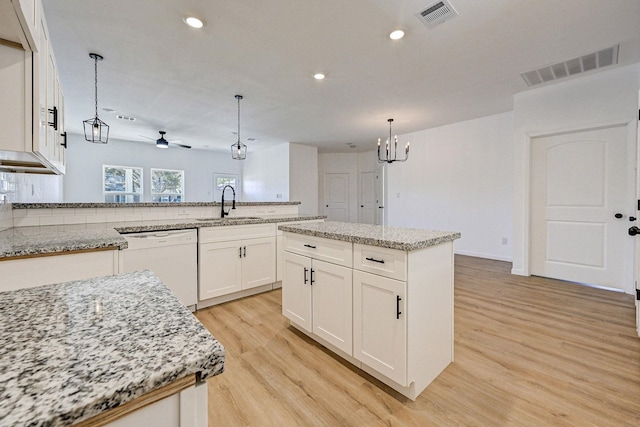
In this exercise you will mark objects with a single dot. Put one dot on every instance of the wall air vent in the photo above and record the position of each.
(437, 13)
(581, 64)
(121, 117)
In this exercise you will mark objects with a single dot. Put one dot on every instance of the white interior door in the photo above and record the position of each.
(380, 195)
(336, 196)
(580, 181)
(367, 211)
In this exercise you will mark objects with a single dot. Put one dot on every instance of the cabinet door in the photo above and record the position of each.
(219, 269)
(332, 304)
(380, 324)
(296, 289)
(258, 262)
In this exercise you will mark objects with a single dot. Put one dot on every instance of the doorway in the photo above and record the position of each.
(367, 211)
(582, 196)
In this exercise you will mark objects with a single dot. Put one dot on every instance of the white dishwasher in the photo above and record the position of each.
(171, 255)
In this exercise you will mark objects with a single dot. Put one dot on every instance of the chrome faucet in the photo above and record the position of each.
(233, 206)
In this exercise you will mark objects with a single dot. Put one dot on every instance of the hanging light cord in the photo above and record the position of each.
(238, 97)
(96, 83)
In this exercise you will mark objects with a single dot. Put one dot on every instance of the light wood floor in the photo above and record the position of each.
(528, 352)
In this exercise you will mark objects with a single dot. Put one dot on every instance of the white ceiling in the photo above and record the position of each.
(175, 78)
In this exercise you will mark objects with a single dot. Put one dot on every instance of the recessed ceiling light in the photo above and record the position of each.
(396, 35)
(319, 76)
(193, 22)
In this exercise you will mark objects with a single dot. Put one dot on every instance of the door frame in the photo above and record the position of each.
(632, 145)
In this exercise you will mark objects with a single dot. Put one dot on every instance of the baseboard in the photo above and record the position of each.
(483, 255)
(518, 272)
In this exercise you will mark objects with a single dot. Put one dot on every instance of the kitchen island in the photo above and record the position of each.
(100, 348)
(380, 297)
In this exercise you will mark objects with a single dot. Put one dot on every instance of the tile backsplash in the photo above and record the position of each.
(31, 188)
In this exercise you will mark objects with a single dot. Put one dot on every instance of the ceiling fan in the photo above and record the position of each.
(163, 143)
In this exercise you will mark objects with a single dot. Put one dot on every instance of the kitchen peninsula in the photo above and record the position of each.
(93, 350)
(380, 297)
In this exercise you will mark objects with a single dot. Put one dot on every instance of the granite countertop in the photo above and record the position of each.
(29, 241)
(137, 205)
(406, 239)
(73, 350)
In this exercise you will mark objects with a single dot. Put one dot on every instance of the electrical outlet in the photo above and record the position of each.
(278, 196)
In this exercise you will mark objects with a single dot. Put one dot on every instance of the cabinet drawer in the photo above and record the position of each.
(235, 232)
(333, 251)
(385, 262)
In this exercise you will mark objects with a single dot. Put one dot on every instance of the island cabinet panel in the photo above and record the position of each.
(380, 324)
(258, 262)
(317, 297)
(219, 269)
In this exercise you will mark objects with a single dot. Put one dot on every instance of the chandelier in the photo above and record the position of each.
(387, 156)
(95, 130)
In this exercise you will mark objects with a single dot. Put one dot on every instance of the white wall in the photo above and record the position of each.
(603, 98)
(83, 180)
(303, 177)
(266, 175)
(459, 178)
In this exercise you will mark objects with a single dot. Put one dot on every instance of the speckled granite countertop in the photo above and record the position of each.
(406, 239)
(63, 360)
(137, 205)
(29, 241)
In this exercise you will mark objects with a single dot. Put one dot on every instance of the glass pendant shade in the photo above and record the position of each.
(238, 150)
(95, 130)
(390, 152)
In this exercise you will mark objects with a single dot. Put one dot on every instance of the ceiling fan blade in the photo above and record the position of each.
(182, 145)
(146, 137)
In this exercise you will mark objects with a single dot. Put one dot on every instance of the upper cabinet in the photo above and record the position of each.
(33, 138)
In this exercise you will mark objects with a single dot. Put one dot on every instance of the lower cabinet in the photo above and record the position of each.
(235, 258)
(19, 273)
(380, 324)
(317, 296)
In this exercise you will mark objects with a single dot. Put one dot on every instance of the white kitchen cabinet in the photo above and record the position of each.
(28, 272)
(33, 128)
(380, 324)
(280, 245)
(317, 296)
(235, 258)
(401, 306)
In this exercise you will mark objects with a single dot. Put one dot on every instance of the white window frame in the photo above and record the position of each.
(126, 194)
(217, 194)
(153, 195)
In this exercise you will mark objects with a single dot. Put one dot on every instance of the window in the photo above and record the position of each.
(220, 180)
(167, 185)
(122, 184)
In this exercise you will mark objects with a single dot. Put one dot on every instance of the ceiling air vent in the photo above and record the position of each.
(437, 13)
(581, 64)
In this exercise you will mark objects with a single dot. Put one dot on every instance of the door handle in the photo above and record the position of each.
(245, 252)
(634, 231)
(305, 275)
(312, 280)
(398, 312)
(54, 112)
(240, 251)
(309, 246)
(381, 261)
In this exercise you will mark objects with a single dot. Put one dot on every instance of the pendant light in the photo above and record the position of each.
(95, 130)
(387, 155)
(238, 150)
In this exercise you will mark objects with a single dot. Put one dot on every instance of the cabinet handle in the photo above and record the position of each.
(309, 246)
(312, 276)
(305, 275)
(54, 123)
(398, 312)
(64, 144)
(381, 261)
(245, 252)
(240, 251)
